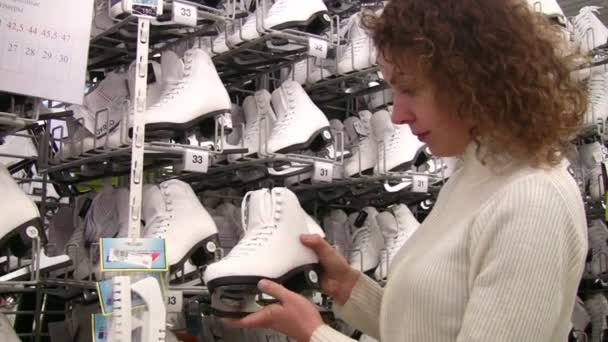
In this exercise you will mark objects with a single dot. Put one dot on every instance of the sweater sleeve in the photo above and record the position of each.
(527, 250)
(362, 310)
(325, 333)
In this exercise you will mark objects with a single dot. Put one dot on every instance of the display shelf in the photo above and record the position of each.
(11, 123)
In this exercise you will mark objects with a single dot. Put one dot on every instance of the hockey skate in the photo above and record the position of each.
(273, 221)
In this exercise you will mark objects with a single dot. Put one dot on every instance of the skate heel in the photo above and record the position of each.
(323, 138)
(304, 278)
(18, 241)
(319, 23)
(205, 252)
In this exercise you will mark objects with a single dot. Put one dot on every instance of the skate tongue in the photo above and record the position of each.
(259, 209)
(172, 68)
(387, 223)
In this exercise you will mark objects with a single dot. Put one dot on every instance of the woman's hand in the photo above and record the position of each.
(295, 316)
(337, 277)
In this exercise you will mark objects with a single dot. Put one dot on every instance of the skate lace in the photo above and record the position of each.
(287, 118)
(255, 237)
(159, 224)
(252, 130)
(587, 19)
(361, 237)
(394, 243)
(177, 87)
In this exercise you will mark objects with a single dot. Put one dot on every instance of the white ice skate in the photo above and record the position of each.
(172, 212)
(271, 249)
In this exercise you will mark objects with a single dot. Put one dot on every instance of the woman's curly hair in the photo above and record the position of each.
(500, 64)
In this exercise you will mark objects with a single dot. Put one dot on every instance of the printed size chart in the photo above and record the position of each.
(44, 48)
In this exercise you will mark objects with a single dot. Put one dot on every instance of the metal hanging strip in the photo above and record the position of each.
(139, 130)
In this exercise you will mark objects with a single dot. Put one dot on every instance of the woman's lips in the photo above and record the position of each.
(423, 136)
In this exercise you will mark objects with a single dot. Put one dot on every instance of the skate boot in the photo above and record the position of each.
(273, 222)
(256, 130)
(305, 72)
(172, 212)
(366, 240)
(360, 52)
(310, 16)
(337, 229)
(589, 31)
(21, 213)
(397, 148)
(300, 123)
(548, 7)
(396, 229)
(198, 96)
(597, 307)
(365, 146)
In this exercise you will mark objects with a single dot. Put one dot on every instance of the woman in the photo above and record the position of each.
(500, 256)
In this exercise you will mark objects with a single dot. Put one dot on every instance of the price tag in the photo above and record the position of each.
(196, 161)
(317, 47)
(175, 301)
(184, 14)
(324, 172)
(421, 184)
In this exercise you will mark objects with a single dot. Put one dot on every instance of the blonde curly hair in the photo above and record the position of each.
(501, 64)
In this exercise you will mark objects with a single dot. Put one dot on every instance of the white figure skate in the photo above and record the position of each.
(365, 146)
(310, 16)
(396, 229)
(271, 249)
(172, 212)
(259, 119)
(198, 96)
(337, 230)
(397, 148)
(300, 123)
(21, 213)
(367, 241)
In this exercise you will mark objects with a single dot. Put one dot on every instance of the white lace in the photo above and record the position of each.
(159, 225)
(255, 237)
(394, 243)
(251, 130)
(361, 237)
(287, 118)
(176, 88)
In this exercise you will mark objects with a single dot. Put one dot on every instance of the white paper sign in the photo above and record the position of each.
(421, 184)
(44, 47)
(323, 172)
(184, 14)
(175, 301)
(196, 161)
(317, 47)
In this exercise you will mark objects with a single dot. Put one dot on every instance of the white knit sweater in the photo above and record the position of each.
(498, 259)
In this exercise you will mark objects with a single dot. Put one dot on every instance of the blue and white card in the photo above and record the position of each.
(100, 328)
(141, 255)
